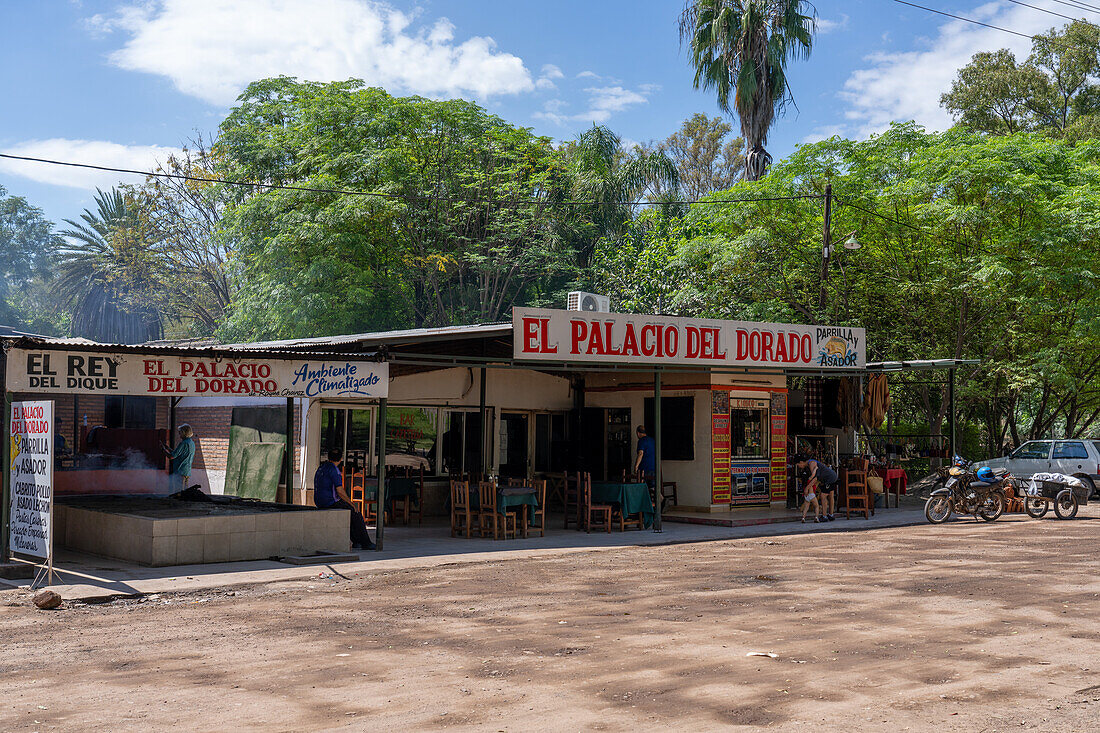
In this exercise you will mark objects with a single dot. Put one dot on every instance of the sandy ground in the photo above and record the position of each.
(965, 627)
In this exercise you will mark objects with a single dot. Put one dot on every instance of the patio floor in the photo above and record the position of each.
(92, 578)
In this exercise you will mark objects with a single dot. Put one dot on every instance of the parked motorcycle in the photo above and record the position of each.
(979, 493)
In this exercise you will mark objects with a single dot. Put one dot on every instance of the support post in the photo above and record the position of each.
(826, 237)
(5, 460)
(76, 424)
(951, 403)
(657, 447)
(380, 523)
(484, 452)
(289, 457)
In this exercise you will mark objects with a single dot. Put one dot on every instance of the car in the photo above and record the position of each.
(1080, 458)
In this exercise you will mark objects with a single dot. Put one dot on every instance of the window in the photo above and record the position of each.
(1036, 449)
(677, 427)
(130, 412)
(411, 434)
(551, 447)
(462, 443)
(749, 433)
(349, 431)
(1070, 450)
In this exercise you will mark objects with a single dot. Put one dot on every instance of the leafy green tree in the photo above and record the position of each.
(740, 49)
(991, 93)
(600, 171)
(446, 214)
(27, 248)
(189, 251)
(105, 274)
(706, 161)
(973, 247)
(1055, 90)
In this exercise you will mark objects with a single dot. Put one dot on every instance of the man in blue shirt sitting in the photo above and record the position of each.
(646, 462)
(328, 493)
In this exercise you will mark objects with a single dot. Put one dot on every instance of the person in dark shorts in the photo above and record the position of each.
(823, 479)
(328, 493)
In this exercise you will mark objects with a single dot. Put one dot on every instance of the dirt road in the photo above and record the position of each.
(967, 627)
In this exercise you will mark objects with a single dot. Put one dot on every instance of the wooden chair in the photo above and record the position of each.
(858, 499)
(590, 510)
(555, 486)
(355, 485)
(572, 499)
(463, 517)
(488, 516)
(667, 495)
(540, 513)
(411, 506)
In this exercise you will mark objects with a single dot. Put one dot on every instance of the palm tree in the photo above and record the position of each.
(97, 276)
(613, 179)
(740, 49)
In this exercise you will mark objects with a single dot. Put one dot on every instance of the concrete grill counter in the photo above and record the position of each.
(158, 531)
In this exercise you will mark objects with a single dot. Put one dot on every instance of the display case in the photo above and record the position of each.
(750, 430)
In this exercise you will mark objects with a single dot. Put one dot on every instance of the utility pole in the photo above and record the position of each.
(826, 235)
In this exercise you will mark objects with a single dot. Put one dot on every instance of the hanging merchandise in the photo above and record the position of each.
(876, 402)
(812, 408)
(847, 402)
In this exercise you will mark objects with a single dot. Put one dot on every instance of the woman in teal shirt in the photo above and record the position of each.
(179, 468)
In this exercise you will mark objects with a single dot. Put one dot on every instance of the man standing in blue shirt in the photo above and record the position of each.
(646, 462)
(328, 493)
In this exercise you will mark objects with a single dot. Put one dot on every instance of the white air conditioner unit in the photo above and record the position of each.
(578, 301)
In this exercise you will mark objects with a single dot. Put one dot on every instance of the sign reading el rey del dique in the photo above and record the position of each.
(82, 372)
(580, 336)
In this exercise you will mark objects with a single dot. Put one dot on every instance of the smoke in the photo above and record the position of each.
(134, 459)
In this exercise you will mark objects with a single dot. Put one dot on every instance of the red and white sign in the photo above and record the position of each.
(580, 336)
(79, 372)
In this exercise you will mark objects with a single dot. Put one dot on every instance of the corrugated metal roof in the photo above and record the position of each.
(386, 338)
(919, 365)
(248, 351)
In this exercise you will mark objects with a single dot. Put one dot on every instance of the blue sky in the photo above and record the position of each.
(125, 83)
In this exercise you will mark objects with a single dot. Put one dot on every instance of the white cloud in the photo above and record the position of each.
(823, 133)
(824, 25)
(588, 75)
(907, 85)
(211, 49)
(550, 71)
(94, 152)
(603, 102)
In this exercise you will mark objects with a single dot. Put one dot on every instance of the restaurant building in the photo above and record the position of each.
(553, 391)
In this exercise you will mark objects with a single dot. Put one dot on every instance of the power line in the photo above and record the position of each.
(1050, 12)
(391, 196)
(872, 212)
(968, 20)
(1078, 5)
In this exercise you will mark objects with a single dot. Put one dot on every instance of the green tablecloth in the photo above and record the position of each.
(631, 498)
(396, 488)
(516, 496)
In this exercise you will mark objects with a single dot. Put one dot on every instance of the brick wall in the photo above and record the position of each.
(211, 426)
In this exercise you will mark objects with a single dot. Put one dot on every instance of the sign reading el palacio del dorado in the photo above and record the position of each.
(83, 372)
(619, 337)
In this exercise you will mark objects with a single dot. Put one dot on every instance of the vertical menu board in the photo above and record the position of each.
(779, 446)
(31, 477)
(720, 447)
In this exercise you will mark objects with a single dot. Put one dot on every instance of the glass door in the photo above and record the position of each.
(513, 444)
(349, 430)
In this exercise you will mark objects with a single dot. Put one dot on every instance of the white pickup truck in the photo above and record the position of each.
(1080, 458)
